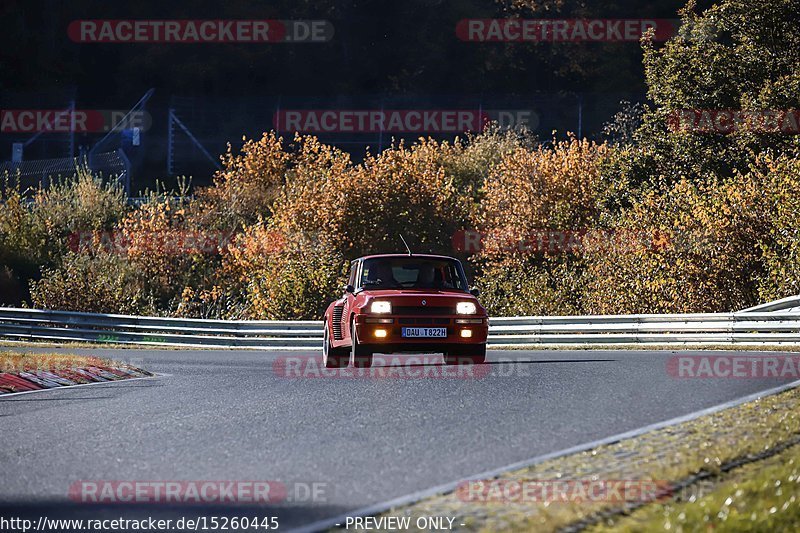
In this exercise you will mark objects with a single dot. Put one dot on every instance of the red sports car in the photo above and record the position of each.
(405, 303)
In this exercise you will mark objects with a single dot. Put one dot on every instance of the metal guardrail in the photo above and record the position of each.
(746, 327)
(700, 329)
(790, 304)
(34, 324)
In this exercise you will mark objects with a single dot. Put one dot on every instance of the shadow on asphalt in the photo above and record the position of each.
(40, 398)
(112, 385)
(524, 361)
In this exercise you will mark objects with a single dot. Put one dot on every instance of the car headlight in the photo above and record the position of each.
(380, 307)
(466, 308)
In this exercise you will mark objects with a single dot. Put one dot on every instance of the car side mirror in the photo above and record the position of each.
(349, 288)
(475, 292)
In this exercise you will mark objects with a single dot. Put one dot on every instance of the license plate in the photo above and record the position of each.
(425, 332)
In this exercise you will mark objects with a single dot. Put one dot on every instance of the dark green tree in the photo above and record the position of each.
(736, 55)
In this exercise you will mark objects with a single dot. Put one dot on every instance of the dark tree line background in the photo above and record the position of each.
(380, 51)
(379, 47)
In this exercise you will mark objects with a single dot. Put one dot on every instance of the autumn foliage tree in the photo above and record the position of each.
(693, 248)
(532, 196)
(364, 208)
(735, 55)
(247, 185)
(279, 276)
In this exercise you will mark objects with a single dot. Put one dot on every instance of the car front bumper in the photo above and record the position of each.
(387, 331)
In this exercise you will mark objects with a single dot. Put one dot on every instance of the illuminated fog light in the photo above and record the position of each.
(380, 307)
(466, 308)
(380, 333)
(466, 333)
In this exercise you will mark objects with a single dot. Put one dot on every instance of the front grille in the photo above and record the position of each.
(422, 310)
(337, 322)
(411, 321)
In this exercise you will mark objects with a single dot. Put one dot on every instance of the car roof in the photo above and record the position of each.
(424, 256)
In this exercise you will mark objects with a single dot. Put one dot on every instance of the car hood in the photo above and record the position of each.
(417, 294)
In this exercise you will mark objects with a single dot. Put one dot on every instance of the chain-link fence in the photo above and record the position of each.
(112, 166)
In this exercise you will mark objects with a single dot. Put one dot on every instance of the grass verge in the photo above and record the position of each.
(5, 343)
(761, 496)
(21, 362)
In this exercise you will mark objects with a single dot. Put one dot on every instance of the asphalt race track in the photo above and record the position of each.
(360, 440)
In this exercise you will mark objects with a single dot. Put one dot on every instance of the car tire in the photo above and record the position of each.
(332, 357)
(466, 355)
(360, 355)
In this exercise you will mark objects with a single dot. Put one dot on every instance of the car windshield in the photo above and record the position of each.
(412, 273)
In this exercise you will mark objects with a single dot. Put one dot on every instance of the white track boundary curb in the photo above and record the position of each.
(64, 387)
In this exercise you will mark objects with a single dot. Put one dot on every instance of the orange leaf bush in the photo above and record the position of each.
(283, 276)
(780, 243)
(533, 191)
(97, 283)
(703, 255)
(247, 185)
(363, 209)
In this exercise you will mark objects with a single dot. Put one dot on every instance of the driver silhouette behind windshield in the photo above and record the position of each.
(380, 275)
(426, 277)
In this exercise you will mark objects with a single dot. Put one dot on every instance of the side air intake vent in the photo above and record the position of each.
(337, 322)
